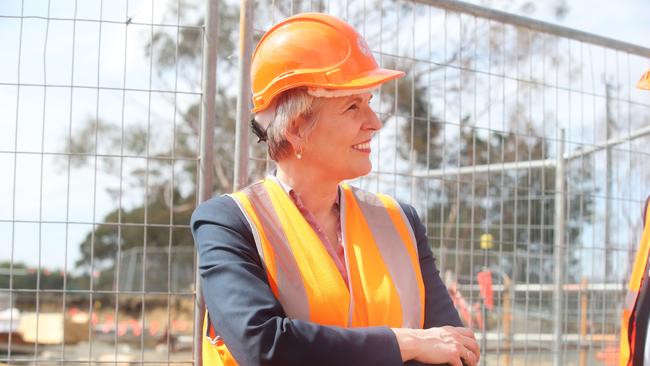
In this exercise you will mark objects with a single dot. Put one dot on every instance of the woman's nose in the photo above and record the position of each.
(372, 122)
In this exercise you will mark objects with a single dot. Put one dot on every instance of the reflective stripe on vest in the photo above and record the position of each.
(385, 280)
(628, 326)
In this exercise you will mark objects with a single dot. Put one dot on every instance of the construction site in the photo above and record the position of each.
(522, 144)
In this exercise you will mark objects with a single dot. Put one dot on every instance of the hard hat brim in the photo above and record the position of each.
(644, 82)
(373, 78)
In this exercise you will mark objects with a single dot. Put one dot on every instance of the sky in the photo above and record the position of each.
(625, 20)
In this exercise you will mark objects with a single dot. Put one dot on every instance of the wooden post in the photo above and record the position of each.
(584, 300)
(506, 318)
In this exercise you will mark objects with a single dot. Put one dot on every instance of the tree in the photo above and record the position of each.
(416, 106)
(170, 176)
(442, 127)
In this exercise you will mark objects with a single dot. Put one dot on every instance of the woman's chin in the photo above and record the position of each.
(359, 171)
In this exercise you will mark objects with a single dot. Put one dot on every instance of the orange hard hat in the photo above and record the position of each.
(644, 82)
(315, 50)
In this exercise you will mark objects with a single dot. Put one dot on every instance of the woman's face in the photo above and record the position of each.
(339, 144)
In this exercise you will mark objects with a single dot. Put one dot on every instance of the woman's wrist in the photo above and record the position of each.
(407, 342)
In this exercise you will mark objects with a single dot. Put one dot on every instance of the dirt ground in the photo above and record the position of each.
(124, 337)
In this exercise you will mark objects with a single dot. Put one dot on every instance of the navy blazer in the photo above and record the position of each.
(251, 321)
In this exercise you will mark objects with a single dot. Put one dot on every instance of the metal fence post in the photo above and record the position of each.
(206, 168)
(558, 248)
(243, 98)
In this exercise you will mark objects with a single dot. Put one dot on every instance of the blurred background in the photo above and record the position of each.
(517, 133)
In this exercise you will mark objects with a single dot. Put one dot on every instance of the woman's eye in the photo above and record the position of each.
(352, 107)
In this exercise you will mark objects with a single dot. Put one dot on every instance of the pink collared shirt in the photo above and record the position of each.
(335, 250)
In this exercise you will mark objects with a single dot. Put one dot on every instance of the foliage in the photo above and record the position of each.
(459, 211)
(29, 278)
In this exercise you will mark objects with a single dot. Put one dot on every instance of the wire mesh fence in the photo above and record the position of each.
(101, 151)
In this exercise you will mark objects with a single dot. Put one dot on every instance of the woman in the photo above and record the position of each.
(299, 269)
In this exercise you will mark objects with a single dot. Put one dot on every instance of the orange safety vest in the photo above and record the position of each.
(628, 325)
(385, 280)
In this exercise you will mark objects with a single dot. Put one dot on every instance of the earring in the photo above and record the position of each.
(299, 154)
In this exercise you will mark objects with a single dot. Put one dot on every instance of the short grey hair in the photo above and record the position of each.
(282, 116)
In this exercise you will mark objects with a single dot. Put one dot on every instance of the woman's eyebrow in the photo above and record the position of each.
(354, 99)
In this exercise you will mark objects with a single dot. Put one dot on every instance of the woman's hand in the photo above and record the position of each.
(453, 345)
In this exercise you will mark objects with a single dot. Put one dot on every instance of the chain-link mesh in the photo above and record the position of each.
(99, 151)
(471, 138)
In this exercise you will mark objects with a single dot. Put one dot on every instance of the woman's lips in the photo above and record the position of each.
(363, 147)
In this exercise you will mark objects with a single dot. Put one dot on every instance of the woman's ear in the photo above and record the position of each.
(294, 135)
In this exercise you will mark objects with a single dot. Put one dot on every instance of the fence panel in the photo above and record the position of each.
(471, 138)
(99, 151)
